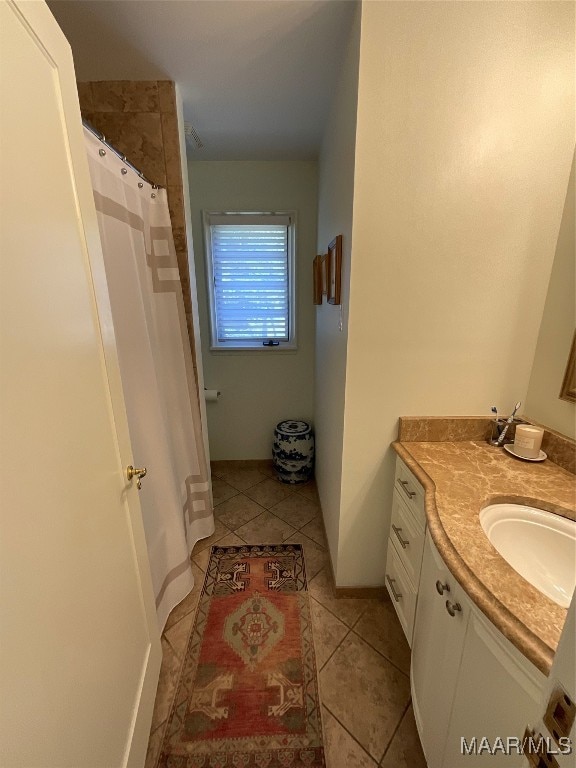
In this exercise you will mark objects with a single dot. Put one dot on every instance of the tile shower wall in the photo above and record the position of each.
(139, 119)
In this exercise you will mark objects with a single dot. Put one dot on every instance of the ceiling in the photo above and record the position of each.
(256, 76)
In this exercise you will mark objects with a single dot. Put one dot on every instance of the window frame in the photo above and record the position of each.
(245, 345)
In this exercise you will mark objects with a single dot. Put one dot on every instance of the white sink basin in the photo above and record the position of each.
(539, 545)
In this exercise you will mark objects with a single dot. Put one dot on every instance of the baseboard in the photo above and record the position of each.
(378, 593)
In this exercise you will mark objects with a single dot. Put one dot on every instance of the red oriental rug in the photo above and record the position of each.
(248, 692)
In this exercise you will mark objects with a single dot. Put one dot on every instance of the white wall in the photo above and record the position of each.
(465, 133)
(556, 332)
(259, 388)
(335, 204)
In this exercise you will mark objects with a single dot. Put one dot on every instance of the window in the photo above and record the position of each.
(250, 267)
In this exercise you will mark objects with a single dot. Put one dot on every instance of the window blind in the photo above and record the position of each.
(251, 280)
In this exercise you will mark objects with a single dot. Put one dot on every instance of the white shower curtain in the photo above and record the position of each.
(156, 368)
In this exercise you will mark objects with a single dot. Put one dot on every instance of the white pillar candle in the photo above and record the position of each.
(527, 441)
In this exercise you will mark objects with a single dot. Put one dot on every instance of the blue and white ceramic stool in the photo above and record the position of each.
(293, 451)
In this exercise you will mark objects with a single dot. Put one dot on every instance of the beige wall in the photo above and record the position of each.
(335, 204)
(556, 332)
(463, 146)
(259, 388)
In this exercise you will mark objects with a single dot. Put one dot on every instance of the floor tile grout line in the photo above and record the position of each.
(271, 510)
(364, 610)
(332, 614)
(402, 716)
(321, 546)
(245, 522)
(301, 528)
(295, 530)
(341, 724)
(242, 490)
(406, 674)
(213, 544)
(249, 499)
(291, 492)
(204, 570)
(265, 509)
(326, 607)
(334, 650)
(353, 631)
(189, 633)
(286, 521)
(228, 498)
(168, 628)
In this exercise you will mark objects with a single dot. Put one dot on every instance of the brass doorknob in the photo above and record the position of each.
(135, 472)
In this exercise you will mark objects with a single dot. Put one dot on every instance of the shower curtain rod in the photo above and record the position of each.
(100, 136)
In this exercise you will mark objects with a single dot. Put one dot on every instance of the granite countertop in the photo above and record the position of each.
(460, 479)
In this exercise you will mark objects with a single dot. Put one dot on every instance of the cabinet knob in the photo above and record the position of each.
(453, 608)
(441, 588)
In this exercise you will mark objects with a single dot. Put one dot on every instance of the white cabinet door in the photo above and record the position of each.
(497, 696)
(436, 652)
(80, 647)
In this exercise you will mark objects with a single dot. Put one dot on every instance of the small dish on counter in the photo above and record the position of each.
(510, 449)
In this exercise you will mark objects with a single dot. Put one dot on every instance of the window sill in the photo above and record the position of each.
(258, 350)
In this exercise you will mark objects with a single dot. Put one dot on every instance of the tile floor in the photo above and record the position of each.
(363, 658)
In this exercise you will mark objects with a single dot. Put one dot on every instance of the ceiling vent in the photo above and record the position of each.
(191, 135)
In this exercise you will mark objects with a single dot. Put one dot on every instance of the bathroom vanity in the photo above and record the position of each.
(482, 637)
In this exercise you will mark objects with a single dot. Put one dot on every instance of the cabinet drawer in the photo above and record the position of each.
(410, 490)
(408, 537)
(402, 593)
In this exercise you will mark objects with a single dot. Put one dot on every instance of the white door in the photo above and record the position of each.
(79, 642)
